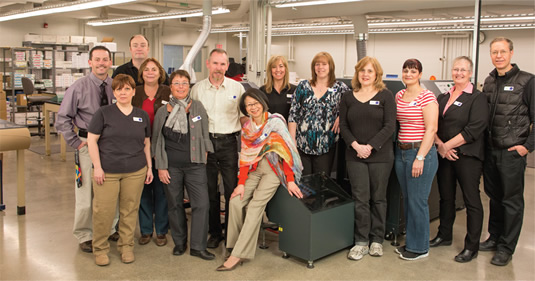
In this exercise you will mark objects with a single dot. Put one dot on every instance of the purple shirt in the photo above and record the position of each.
(81, 101)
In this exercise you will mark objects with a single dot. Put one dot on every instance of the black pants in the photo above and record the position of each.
(503, 173)
(193, 178)
(313, 164)
(467, 170)
(368, 186)
(224, 160)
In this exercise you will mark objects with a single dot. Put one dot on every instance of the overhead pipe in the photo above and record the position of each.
(360, 24)
(197, 46)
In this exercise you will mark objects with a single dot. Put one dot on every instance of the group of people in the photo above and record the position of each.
(143, 138)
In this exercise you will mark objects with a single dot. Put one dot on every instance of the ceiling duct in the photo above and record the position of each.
(197, 46)
(360, 25)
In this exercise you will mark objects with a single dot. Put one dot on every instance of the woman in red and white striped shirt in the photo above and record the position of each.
(416, 159)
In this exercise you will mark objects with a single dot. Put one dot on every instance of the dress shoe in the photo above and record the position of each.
(87, 246)
(102, 260)
(179, 250)
(439, 241)
(214, 241)
(501, 258)
(224, 268)
(488, 245)
(114, 237)
(161, 240)
(205, 255)
(465, 256)
(144, 239)
(128, 257)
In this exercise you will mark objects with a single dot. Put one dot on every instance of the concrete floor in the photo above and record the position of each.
(40, 245)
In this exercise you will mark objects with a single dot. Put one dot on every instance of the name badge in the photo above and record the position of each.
(289, 96)
(232, 97)
(196, 118)
(457, 103)
(374, 102)
(508, 88)
(263, 136)
(412, 103)
(138, 119)
(164, 102)
(113, 101)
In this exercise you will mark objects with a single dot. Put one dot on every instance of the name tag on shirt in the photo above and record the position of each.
(374, 102)
(508, 88)
(412, 103)
(263, 136)
(113, 101)
(196, 118)
(288, 96)
(138, 119)
(457, 103)
(164, 102)
(232, 97)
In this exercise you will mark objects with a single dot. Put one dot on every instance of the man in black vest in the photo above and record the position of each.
(509, 139)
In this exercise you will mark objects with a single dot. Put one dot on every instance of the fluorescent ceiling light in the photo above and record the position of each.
(163, 16)
(61, 8)
(286, 4)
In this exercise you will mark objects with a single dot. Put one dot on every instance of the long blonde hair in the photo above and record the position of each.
(271, 64)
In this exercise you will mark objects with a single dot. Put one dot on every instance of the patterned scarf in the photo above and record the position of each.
(272, 140)
(178, 120)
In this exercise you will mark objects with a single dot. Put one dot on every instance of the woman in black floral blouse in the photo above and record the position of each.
(313, 120)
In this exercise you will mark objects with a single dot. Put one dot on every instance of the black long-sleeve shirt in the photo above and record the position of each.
(372, 122)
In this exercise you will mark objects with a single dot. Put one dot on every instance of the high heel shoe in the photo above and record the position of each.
(224, 268)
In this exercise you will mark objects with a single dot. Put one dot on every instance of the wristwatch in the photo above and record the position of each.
(420, 157)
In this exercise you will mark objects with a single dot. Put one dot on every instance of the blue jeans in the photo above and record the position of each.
(153, 207)
(415, 195)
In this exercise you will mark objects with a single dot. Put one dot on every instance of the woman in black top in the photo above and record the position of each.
(278, 88)
(463, 117)
(119, 147)
(367, 123)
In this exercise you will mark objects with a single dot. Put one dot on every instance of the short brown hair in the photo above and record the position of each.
(179, 73)
(134, 36)
(218, 50)
(378, 83)
(255, 94)
(271, 63)
(142, 68)
(499, 39)
(330, 61)
(122, 80)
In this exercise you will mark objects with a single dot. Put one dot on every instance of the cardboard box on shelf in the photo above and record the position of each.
(33, 37)
(63, 39)
(77, 39)
(21, 100)
(112, 46)
(3, 105)
(90, 39)
(49, 38)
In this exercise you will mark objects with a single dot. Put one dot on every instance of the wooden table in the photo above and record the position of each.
(52, 106)
(16, 137)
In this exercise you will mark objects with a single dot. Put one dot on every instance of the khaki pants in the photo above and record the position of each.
(126, 190)
(83, 195)
(244, 226)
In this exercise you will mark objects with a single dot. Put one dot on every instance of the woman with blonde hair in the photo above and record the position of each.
(278, 89)
(313, 119)
(367, 123)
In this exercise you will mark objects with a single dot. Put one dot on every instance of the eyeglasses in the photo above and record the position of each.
(460, 70)
(183, 84)
(501, 52)
(254, 104)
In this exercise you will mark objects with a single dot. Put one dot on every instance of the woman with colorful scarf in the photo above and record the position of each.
(268, 158)
(180, 146)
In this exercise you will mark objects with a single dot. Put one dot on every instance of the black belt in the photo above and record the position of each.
(409, 145)
(223, 136)
(82, 133)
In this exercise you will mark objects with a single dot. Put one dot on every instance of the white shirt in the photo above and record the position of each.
(221, 104)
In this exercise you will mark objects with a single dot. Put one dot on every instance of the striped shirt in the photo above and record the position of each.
(410, 116)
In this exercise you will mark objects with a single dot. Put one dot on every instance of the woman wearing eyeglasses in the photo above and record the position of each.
(181, 145)
(150, 96)
(462, 119)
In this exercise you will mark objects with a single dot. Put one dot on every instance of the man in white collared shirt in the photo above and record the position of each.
(220, 97)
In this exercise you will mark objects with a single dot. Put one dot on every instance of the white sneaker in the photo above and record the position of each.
(357, 252)
(376, 249)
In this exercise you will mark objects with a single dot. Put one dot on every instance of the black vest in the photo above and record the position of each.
(509, 114)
